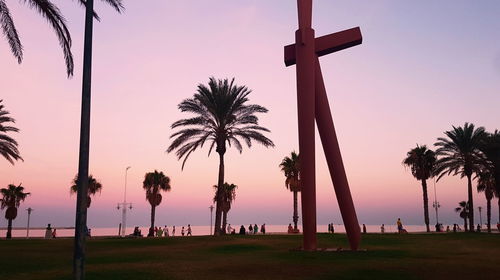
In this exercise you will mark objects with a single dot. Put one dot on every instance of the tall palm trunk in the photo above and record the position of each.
(426, 205)
(218, 209)
(153, 212)
(295, 211)
(83, 163)
(9, 229)
(471, 203)
(465, 224)
(224, 221)
(488, 213)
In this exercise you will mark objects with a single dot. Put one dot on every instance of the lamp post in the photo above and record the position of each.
(480, 216)
(436, 204)
(124, 205)
(28, 225)
(211, 215)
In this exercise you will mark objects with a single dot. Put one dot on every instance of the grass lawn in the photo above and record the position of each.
(389, 256)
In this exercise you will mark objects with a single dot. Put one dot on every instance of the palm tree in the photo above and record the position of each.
(422, 162)
(83, 159)
(52, 14)
(222, 117)
(460, 155)
(486, 184)
(491, 149)
(154, 183)
(463, 211)
(94, 187)
(8, 146)
(228, 194)
(12, 196)
(290, 167)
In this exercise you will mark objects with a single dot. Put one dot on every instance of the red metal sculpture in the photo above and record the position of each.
(313, 105)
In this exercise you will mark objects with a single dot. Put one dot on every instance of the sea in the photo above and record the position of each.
(197, 230)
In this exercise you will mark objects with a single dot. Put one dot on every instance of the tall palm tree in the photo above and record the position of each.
(421, 162)
(486, 184)
(12, 196)
(291, 169)
(94, 187)
(83, 158)
(222, 116)
(154, 183)
(55, 19)
(459, 154)
(463, 211)
(8, 146)
(491, 149)
(228, 194)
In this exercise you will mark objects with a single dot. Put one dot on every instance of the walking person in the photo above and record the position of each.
(165, 231)
(173, 231)
(364, 228)
(48, 232)
(333, 228)
(182, 231)
(54, 233)
(255, 229)
(250, 229)
(263, 229)
(382, 229)
(400, 225)
(189, 232)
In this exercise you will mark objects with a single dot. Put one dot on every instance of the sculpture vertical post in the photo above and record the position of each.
(305, 54)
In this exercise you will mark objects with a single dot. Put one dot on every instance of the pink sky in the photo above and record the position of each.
(422, 67)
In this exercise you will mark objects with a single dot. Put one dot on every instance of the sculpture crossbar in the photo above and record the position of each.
(312, 104)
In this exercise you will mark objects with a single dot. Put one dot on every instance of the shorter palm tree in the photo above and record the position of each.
(93, 188)
(422, 162)
(463, 211)
(12, 196)
(486, 184)
(8, 146)
(228, 195)
(154, 183)
(291, 169)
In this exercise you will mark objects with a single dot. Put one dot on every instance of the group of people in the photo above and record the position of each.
(252, 229)
(163, 232)
(50, 233)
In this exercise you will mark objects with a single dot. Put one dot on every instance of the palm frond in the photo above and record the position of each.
(10, 32)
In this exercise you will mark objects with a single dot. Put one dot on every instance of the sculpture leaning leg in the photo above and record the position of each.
(333, 156)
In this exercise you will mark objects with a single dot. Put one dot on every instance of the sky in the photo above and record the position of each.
(423, 67)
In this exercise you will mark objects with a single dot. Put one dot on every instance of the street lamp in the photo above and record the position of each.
(28, 225)
(211, 211)
(124, 205)
(436, 204)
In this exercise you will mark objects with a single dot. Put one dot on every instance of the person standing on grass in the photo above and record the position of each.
(54, 233)
(159, 232)
(255, 229)
(382, 229)
(400, 225)
(165, 231)
(229, 228)
(250, 229)
(182, 231)
(333, 228)
(173, 231)
(242, 230)
(189, 233)
(263, 229)
(364, 228)
(48, 232)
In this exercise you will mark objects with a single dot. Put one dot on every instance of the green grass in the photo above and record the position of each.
(389, 256)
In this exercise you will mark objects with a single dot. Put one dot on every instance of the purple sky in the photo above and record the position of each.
(423, 67)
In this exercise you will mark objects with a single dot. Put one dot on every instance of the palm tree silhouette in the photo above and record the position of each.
(228, 194)
(8, 146)
(221, 117)
(94, 187)
(486, 184)
(290, 167)
(83, 158)
(154, 183)
(12, 196)
(421, 162)
(55, 19)
(491, 149)
(460, 155)
(463, 211)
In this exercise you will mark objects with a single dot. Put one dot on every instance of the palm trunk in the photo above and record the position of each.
(471, 203)
(465, 224)
(224, 221)
(426, 205)
(488, 213)
(218, 209)
(153, 213)
(9, 229)
(295, 211)
(83, 163)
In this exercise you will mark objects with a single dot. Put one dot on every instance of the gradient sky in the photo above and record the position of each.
(423, 67)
